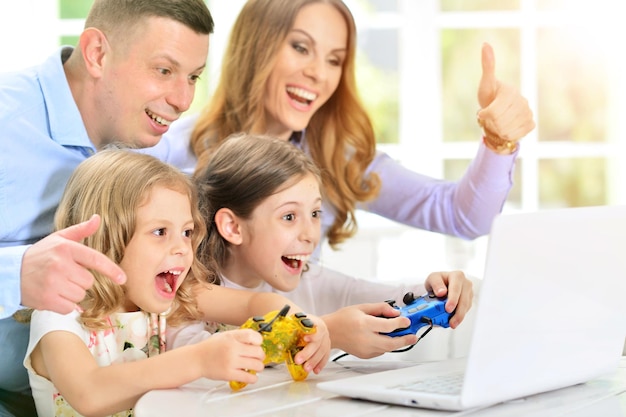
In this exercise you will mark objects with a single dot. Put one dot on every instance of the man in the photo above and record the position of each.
(132, 73)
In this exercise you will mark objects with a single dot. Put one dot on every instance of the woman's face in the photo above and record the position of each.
(307, 70)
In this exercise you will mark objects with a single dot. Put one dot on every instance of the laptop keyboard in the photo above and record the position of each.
(440, 384)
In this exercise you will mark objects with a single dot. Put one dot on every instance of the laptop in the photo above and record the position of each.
(550, 313)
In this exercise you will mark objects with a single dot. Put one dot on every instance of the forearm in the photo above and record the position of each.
(234, 306)
(263, 302)
(110, 389)
(339, 337)
(331, 290)
(464, 208)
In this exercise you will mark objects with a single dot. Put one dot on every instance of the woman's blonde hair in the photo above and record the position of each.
(340, 134)
(243, 172)
(114, 183)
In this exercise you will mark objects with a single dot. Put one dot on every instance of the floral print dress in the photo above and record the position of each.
(133, 336)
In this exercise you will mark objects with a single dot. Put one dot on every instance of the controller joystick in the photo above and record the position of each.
(426, 310)
(283, 338)
(408, 298)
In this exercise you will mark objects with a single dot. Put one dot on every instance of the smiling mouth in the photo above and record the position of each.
(158, 119)
(295, 261)
(166, 281)
(301, 95)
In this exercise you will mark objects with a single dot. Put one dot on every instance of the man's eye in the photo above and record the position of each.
(164, 71)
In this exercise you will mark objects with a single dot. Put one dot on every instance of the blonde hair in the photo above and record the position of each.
(340, 135)
(114, 183)
(243, 172)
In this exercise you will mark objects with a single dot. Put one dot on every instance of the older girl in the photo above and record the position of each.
(262, 201)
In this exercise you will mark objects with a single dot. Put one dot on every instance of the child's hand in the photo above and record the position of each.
(457, 288)
(366, 322)
(231, 354)
(315, 354)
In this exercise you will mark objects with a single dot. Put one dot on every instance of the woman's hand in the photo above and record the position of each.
(504, 112)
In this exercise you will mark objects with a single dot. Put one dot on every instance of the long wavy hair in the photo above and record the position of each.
(114, 183)
(243, 172)
(340, 135)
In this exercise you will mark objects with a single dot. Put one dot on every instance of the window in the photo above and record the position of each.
(420, 61)
(42, 26)
(561, 54)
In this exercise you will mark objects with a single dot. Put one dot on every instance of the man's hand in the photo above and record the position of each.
(55, 271)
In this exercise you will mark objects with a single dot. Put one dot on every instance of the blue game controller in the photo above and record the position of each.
(426, 310)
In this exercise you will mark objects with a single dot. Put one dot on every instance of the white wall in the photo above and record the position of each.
(27, 42)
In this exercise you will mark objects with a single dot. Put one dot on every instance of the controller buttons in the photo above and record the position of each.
(307, 322)
(417, 308)
(283, 337)
(391, 302)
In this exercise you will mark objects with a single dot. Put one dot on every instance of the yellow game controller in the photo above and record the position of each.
(283, 338)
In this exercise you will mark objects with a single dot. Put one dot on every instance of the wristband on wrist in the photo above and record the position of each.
(495, 142)
(498, 144)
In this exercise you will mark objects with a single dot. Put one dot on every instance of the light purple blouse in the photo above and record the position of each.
(464, 208)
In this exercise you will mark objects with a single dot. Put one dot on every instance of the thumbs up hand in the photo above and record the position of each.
(504, 113)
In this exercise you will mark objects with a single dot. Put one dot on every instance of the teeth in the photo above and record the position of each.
(158, 119)
(303, 258)
(300, 92)
(166, 284)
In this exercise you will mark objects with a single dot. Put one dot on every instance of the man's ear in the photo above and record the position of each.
(228, 226)
(94, 47)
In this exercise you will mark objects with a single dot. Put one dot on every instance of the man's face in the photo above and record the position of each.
(147, 82)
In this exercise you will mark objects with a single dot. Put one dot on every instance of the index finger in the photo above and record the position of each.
(88, 257)
(92, 259)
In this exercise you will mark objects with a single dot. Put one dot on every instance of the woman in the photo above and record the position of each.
(300, 86)
(289, 72)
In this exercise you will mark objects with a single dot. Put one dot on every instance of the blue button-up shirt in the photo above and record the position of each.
(42, 140)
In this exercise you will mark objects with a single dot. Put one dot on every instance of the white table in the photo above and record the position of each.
(275, 394)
